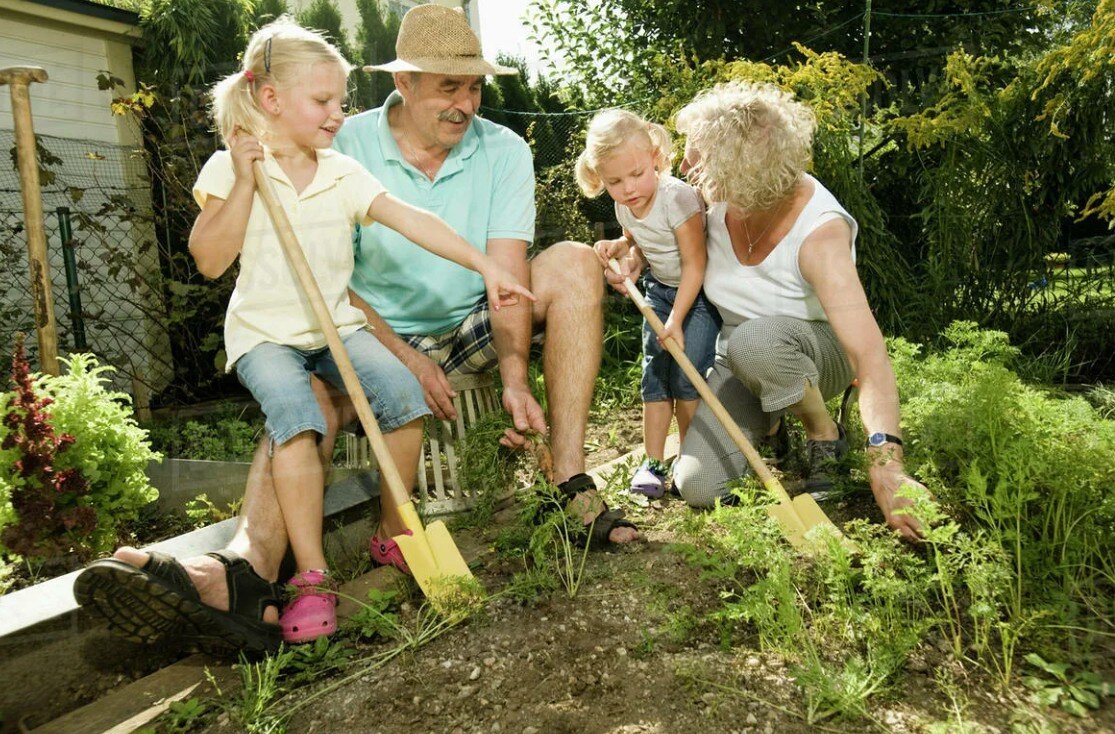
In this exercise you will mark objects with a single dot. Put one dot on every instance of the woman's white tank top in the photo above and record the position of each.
(774, 287)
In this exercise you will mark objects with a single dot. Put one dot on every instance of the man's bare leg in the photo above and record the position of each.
(260, 538)
(566, 278)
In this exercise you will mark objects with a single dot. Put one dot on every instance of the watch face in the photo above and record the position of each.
(877, 439)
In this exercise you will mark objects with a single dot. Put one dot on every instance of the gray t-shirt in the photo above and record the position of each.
(674, 204)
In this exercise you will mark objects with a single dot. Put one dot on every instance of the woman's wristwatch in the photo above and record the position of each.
(878, 439)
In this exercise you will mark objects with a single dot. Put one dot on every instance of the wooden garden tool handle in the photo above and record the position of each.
(757, 464)
(297, 259)
(19, 79)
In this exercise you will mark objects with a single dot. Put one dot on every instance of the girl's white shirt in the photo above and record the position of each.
(267, 304)
(675, 202)
(774, 287)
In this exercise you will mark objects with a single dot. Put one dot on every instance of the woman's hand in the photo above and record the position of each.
(673, 331)
(245, 150)
(503, 288)
(886, 479)
(607, 249)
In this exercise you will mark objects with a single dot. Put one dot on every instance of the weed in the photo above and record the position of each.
(261, 688)
(184, 716)
(374, 618)
(1072, 691)
(202, 511)
(310, 661)
(484, 466)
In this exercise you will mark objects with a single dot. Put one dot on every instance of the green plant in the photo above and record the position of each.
(224, 435)
(184, 716)
(101, 470)
(261, 688)
(1074, 691)
(202, 511)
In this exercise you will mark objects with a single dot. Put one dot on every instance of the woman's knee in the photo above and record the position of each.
(698, 489)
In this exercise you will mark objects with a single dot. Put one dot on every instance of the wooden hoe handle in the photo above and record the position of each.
(305, 276)
(19, 79)
(757, 464)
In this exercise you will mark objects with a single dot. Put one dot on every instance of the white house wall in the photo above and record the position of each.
(75, 119)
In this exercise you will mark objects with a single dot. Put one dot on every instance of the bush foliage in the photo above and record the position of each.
(72, 464)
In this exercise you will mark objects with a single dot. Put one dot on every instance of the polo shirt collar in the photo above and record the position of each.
(324, 178)
(453, 163)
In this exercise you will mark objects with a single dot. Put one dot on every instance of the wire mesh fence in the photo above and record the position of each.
(107, 287)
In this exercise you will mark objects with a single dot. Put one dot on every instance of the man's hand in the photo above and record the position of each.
(435, 385)
(526, 415)
(886, 480)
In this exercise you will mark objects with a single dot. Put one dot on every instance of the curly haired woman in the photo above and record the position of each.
(797, 326)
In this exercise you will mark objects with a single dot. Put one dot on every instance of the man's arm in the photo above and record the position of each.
(511, 332)
(435, 385)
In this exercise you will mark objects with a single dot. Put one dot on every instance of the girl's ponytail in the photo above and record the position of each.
(235, 106)
(587, 177)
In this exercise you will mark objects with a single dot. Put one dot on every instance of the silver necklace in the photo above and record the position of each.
(751, 242)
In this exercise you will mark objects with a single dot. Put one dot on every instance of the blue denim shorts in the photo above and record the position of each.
(663, 379)
(278, 377)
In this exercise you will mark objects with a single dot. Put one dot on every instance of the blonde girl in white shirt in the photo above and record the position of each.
(284, 108)
(663, 220)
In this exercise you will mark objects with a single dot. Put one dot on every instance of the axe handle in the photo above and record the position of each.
(753, 458)
(18, 79)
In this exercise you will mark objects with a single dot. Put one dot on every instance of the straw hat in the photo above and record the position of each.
(438, 40)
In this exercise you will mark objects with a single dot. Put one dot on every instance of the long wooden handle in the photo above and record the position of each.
(18, 78)
(297, 259)
(753, 458)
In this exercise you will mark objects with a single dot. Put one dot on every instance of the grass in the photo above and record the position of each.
(1011, 590)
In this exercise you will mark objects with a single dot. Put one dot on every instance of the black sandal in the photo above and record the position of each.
(159, 602)
(608, 519)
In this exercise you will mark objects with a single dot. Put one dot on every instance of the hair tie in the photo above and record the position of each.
(249, 75)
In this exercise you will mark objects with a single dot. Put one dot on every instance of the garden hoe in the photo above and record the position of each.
(433, 557)
(18, 79)
(795, 516)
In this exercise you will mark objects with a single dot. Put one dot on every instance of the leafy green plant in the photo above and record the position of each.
(224, 435)
(1074, 691)
(184, 716)
(102, 470)
(202, 511)
(375, 618)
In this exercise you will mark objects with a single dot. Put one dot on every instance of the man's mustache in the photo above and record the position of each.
(452, 116)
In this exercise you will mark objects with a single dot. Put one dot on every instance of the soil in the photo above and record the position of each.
(634, 652)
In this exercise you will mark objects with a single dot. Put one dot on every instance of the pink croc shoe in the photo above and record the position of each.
(386, 552)
(312, 613)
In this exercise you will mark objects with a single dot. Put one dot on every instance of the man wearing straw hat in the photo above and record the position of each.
(429, 148)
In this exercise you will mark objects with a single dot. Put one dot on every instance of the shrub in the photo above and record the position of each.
(96, 477)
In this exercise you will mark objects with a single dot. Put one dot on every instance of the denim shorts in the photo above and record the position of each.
(278, 377)
(663, 379)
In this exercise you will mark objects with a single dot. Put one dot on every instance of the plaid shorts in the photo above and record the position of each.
(467, 347)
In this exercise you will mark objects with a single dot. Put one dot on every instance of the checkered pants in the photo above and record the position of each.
(466, 348)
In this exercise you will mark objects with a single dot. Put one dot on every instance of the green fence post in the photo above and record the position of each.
(73, 288)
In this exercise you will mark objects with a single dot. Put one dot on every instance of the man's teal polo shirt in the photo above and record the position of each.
(484, 190)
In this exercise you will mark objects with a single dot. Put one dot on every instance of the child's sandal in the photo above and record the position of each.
(312, 613)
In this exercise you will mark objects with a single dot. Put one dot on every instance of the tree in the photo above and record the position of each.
(907, 45)
(323, 15)
(268, 10)
(379, 28)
